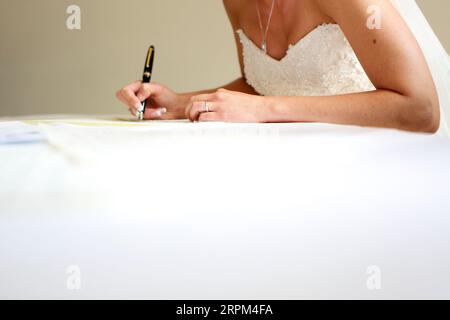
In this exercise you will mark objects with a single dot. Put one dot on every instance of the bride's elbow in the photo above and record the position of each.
(423, 116)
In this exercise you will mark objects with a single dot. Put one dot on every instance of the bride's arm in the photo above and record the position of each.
(405, 98)
(405, 95)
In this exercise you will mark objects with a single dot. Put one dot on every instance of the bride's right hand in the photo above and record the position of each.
(162, 102)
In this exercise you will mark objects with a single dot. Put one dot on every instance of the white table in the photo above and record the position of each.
(176, 210)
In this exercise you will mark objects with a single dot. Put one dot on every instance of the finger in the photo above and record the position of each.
(120, 96)
(208, 117)
(198, 108)
(128, 96)
(124, 101)
(154, 113)
(133, 87)
(187, 111)
(146, 90)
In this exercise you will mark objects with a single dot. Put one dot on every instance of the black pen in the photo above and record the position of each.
(146, 77)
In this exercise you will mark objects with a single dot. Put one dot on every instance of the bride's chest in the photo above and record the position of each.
(323, 47)
(290, 23)
(321, 63)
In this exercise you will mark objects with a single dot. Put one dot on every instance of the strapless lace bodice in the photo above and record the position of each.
(322, 63)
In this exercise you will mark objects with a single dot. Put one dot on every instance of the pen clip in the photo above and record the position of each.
(149, 64)
(149, 56)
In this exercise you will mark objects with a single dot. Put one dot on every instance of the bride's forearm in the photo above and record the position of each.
(380, 108)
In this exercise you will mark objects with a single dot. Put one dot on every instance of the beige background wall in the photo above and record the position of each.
(45, 68)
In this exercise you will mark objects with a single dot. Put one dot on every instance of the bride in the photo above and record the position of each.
(353, 62)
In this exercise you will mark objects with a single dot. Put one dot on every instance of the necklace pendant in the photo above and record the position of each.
(264, 47)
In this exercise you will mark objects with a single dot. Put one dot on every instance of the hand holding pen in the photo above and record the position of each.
(152, 101)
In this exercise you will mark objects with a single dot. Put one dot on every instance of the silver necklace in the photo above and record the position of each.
(264, 34)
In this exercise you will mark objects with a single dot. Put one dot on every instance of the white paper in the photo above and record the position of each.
(13, 132)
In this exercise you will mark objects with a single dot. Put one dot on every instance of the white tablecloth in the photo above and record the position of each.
(224, 211)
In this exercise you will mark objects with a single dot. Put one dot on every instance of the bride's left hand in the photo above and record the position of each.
(227, 106)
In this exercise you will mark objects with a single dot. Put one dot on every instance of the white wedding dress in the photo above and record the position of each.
(324, 63)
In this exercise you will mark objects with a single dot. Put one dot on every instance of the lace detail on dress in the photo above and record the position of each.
(322, 63)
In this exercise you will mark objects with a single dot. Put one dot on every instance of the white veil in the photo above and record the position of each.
(435, 54)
